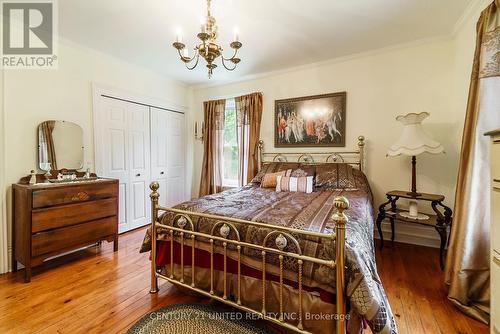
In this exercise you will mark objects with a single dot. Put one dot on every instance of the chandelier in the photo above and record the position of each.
(208, 47)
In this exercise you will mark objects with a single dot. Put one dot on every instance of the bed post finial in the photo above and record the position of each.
(154, 186)
(261, 153)
(361, 146)
(340, 219)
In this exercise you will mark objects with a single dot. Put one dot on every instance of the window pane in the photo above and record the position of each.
(230, 163)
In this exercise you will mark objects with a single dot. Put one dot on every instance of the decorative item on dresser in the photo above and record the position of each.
(495, 231)
(52, 218)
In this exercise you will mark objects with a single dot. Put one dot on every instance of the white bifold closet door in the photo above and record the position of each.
(125, 151)
(137, 144)
(168, 155)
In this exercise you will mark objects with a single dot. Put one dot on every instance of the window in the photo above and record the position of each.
(230, 152)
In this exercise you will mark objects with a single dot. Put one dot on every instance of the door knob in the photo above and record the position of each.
(161, 173)
(138, 174)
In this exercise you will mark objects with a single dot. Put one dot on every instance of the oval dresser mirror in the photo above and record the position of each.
(60, 145)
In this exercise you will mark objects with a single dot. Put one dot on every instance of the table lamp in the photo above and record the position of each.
(412, 142)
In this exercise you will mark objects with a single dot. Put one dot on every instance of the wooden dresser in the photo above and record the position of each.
(50, 219)
(495, 232)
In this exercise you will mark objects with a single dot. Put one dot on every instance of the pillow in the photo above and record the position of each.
(304, 170)
(270, 179)
(302, 184)
(273, 167)
(335, 175)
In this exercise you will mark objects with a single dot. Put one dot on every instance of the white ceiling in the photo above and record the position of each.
(276, 34)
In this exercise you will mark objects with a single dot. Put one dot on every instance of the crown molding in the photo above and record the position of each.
(474, 7)
(336, 60)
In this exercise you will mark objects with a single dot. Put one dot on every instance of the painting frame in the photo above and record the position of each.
(327, 140)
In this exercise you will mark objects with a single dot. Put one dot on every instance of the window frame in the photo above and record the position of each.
(229, 183)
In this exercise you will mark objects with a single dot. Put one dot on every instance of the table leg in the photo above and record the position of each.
(379, 228)
(392, 228)
(442, 233)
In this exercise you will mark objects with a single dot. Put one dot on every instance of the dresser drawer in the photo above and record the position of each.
(495, 158)
(67, 237)
(495, 293)
(495, 218)
(71, 214)
(50, 196)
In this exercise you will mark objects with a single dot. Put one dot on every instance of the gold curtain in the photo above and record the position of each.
(213, 145)
(248, 118)
(47, 129)
(467, 264)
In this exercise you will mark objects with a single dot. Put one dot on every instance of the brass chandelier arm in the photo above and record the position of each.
(188, 60)
(195, 63)
(232, 57)
(224, 64)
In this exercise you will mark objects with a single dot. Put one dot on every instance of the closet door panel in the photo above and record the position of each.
(139, 161)
(176, 159)
(113, 150)
(159, 151)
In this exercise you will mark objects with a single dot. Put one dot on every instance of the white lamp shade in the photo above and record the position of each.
(414, 140)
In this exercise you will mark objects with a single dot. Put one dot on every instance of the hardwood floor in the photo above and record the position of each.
(99, 291)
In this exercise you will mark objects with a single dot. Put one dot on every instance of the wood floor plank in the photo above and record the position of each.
(99, 291)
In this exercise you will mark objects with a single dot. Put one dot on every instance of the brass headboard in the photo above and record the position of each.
(355, 157)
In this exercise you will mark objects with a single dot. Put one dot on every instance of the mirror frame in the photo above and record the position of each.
(39, 147)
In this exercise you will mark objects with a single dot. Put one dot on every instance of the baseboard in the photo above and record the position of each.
(410, 234)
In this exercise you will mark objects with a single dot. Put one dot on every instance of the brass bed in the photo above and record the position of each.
(225, 233)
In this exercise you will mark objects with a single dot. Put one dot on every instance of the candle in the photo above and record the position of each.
(236, 37)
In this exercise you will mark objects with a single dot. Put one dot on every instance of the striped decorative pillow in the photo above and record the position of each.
(270, 179)
(303, 184)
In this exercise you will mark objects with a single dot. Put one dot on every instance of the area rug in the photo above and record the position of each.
(196, 319)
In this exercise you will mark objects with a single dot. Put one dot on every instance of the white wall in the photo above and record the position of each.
(32, 96)
(4, 254)
(427, 76)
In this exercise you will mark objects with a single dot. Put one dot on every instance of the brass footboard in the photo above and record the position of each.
(184, 230)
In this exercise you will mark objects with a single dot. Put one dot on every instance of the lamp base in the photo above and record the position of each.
(413, 194)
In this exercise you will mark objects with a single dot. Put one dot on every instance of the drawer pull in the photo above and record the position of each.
(138, 174)
(161, 173)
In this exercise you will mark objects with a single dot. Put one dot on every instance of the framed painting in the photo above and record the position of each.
(310, 121)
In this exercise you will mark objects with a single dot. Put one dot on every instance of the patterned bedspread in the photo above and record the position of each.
(308, 212)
